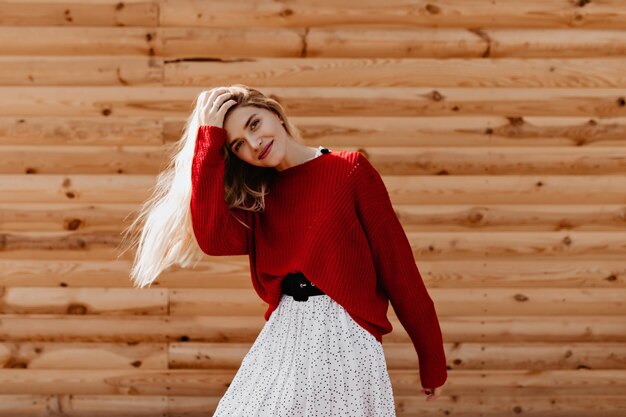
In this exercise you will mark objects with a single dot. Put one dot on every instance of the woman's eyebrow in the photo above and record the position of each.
(245, 126)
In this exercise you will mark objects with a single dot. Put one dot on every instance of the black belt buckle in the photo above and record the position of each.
(297, 284)
(300, 293)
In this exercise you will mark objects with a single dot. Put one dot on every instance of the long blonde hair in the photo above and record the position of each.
(162, 231)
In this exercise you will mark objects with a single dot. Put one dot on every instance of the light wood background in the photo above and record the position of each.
(499, 128)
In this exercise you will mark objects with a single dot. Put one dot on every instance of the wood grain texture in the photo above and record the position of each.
(499, 129)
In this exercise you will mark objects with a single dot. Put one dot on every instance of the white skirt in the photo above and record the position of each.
(310, 359)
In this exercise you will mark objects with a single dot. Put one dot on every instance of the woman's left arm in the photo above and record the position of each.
(397, 272)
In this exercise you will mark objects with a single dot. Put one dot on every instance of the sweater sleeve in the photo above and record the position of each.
(215, 227)
(397, 272)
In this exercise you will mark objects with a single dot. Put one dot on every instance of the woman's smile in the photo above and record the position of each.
(266, 150)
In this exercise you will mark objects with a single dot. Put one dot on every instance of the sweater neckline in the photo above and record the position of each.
(304, 166)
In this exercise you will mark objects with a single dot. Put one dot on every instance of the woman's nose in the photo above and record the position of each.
(254, 143)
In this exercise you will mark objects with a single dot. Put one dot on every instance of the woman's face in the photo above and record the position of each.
(251, 130)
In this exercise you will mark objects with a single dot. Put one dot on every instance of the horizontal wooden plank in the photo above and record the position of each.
(75, 71)
(481, 42)
(83, 131)
(128, 405)
(496, 161)
(64, 270)
(235, 46)
(144, 160)
(59, 159)
(75, 41)
(82, 301)
(191, 382)
(233, 272)
(449, 301)
(403, 189)
(335, 132)
(484, 404)
(410, 72)
(150, 41)
(472, 130)
(84, 13)
(323, 101)
(426, 245)
(367, 13)
(245, 329)
(101, 355)
(510, 217)
(114, 218)
(447, 245)
(398, 356)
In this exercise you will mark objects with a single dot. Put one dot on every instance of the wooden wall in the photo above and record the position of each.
(500, 131)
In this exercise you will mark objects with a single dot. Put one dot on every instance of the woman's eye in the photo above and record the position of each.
(253, 124)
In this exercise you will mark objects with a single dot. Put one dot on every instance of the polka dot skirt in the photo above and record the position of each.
(311, 359)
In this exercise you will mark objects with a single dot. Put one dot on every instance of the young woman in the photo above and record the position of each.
(326, 249)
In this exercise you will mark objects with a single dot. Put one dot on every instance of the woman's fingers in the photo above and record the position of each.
(219, 101)
(212, 107)
(432, 393)
(222, 111)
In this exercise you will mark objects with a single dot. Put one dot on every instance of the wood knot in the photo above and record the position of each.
(77, 309)
(567, 240)
(515, 120)
(435, 96)
(432, 9)
(16, 365)
(520, 297)
(73, 224)
(564, 224)
(475, 216)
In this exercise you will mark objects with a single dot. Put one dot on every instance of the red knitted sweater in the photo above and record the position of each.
(330, 218)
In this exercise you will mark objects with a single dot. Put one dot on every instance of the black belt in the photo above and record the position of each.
(297, 286)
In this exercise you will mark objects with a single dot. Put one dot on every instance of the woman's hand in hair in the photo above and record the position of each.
(214, 104)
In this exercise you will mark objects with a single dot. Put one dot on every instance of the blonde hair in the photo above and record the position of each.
(162, 231)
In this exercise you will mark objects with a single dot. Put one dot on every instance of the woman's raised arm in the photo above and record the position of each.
(217, 230)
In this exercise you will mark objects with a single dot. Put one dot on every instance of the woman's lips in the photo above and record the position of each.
(266, 151)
